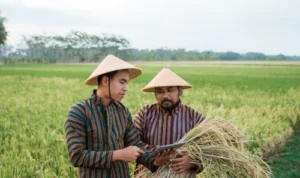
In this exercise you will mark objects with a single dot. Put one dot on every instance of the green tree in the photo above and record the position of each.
(229, 55)
(3, 33)
(254, 56)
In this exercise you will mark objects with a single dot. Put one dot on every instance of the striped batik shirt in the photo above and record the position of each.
(157, 126)
(93, 131)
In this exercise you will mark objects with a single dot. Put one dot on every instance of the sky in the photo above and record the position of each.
(267, 26)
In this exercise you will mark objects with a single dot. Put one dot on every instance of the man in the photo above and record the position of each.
(168, 120)
(101, 136)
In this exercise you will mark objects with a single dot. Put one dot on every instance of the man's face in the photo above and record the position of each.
(167, 97)
(119, 85)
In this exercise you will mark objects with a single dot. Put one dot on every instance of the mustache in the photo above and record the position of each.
(166, 100)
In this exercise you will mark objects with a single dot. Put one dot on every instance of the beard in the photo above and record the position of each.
(169, 104)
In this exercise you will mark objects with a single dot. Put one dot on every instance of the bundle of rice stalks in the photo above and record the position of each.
(216, 145)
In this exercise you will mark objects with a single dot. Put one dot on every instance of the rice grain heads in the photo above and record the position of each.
(216, 145)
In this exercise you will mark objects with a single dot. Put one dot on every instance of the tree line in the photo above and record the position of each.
(82, 47)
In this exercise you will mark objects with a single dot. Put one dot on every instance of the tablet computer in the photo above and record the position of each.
(165, 147)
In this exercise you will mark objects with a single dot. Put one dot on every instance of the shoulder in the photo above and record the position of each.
(195, 116)
(79, 106)
(77, 113)
(148, 108)
(191, 110)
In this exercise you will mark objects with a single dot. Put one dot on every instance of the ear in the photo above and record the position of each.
(104, 80)
(179, 91)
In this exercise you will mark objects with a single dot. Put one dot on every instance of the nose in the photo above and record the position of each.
(125, 88)
(165, 95)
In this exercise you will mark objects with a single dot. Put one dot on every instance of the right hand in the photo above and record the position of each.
(130, 153)
(164, 157)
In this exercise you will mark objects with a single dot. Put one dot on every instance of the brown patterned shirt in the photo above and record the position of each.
(93, 131)
(157, 126)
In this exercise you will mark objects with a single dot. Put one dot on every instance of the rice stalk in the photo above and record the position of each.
(219, 148)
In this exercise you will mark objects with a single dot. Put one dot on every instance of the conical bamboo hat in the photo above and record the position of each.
(166, 78)
(109, 64)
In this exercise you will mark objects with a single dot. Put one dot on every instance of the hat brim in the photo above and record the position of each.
(133, 73)
(152, 89)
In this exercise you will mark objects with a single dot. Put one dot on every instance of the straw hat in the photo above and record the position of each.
(109, 64)
(166, 78)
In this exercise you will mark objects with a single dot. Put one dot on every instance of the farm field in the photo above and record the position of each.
(286, 163)
(261, 100)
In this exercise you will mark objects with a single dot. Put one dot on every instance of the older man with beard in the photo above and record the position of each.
(168, 120)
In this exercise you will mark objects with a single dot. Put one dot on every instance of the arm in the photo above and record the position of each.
(75, 134)
(198, 117)
(184, 162)
(76, 142)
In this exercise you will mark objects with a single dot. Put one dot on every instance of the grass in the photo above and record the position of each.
(286, 163)
(263, 102)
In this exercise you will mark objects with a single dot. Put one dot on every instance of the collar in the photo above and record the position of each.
(98, 100)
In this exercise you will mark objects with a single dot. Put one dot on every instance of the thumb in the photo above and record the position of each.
(141, 151)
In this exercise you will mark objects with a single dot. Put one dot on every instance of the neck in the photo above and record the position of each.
(105, 98)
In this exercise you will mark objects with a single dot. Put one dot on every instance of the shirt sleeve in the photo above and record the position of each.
(132, 137)
(75, 126)
(198, 117)
(139, 122)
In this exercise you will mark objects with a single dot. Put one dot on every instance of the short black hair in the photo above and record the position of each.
(110, 75)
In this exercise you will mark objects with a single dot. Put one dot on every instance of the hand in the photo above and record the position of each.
(182, 164)
(128, 154)
(164, 157)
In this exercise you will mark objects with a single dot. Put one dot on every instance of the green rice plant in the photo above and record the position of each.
(261, 102)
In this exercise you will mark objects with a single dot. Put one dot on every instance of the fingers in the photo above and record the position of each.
(173, 150)
(141, 151)
(177, 163)
(180, 152)
(168, 153)
(136, 152)
(173, 166)
(158, 156)
(165, 152)
(177, 168)
(177, 160)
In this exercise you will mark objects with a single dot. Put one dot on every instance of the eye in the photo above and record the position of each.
(123, 82)
(170, 90)
(159, 91)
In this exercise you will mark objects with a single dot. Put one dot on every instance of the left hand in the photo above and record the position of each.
(182, 164)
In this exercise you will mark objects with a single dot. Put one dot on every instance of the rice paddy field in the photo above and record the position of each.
(262, 101)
